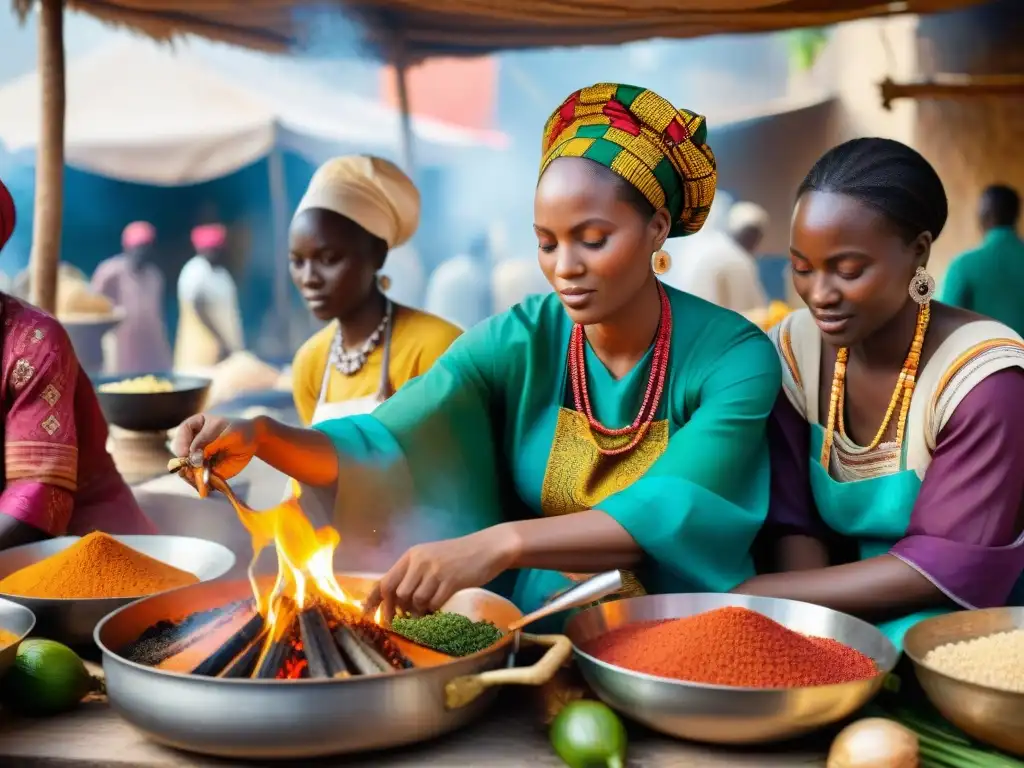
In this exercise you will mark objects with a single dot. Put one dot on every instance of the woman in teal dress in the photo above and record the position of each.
(602, 426)
(897, 446)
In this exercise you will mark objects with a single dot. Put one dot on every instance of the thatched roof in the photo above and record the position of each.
(469, 27)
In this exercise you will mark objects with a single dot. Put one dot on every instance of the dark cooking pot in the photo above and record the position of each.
(152, 411)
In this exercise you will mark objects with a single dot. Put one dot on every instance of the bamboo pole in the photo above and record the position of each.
(49, 203)
(402, 88)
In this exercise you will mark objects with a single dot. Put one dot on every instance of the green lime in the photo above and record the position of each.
(46, 678)
(588, 734)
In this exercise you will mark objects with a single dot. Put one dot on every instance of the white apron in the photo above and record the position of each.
(362, 544)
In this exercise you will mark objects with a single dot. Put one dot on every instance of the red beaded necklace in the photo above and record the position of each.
(655, 383)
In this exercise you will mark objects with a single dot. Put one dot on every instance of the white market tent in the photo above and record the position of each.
(147, 113)
(138, 111)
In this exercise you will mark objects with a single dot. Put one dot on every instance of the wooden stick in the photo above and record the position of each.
(363, 656)
(217, 661)
(322, 655)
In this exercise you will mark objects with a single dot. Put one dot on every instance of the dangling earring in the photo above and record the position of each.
(922, 286)
(661, 262)
(383, 282)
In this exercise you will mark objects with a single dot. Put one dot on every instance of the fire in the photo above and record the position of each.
(305, 561)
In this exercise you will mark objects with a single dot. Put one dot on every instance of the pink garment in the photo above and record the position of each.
(209, 237)
(138, 289)
(59, 476)
(137, 234)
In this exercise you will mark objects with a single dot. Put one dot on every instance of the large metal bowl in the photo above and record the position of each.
(722, 714)
(989, 715)
(19, 621)
(73, 620)
(302, 719)
(152, 411)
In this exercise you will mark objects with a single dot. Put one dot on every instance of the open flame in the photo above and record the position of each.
(305, 563)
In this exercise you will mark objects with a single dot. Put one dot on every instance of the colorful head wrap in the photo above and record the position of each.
(137, 234)
(7, 215)
(209, 236)
(660, 150)
(374, 193)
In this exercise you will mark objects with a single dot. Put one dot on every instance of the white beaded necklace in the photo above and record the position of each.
(350, 362)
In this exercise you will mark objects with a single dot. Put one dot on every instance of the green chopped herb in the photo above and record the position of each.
(450, 633)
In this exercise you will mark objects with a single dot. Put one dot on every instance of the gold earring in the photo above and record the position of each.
(922, 286)
(661, 262)
(383, 282)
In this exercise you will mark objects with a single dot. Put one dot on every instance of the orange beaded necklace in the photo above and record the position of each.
(921, 289)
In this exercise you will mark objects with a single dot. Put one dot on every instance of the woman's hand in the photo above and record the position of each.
(227, 446)
(426, 576)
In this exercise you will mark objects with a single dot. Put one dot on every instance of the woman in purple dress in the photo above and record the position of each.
(897, 445)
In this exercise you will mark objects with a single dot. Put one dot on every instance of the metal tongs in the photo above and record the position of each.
(203, 478)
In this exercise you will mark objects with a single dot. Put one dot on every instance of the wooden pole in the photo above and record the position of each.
(402, 87)
(49, 203)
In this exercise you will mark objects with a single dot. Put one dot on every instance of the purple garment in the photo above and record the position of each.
(965, 532)
(142, 343)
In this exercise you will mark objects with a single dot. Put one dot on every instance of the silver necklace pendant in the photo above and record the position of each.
(350, 362)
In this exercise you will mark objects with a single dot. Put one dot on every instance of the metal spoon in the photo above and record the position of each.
(586, 592)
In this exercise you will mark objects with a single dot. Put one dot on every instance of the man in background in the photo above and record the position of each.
(989, 280)
(723, 270)
(210, 324)
(134, 283)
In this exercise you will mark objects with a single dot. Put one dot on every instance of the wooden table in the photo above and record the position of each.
(510, 735)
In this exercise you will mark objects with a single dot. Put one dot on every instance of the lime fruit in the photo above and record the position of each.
(588, 734)
(46, 678)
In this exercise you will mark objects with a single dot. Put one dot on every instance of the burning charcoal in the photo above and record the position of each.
(322, 656)
(245, 662)
(377, 637)
(279, 646)
(217, 661)
(166, 639)
(363, 656)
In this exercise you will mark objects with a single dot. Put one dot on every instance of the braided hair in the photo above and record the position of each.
(887, 176)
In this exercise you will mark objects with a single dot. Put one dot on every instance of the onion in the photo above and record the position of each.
(874, 743)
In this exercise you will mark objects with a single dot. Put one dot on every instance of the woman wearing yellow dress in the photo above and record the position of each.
(356, 209)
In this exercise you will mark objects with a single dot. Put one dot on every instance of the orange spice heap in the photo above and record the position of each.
(96, 565)
(732, 646)
(7, 638)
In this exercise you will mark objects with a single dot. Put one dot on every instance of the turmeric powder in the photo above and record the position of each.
(7, 638)
(96, 565)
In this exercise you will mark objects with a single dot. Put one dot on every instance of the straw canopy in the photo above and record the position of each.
(422, 28)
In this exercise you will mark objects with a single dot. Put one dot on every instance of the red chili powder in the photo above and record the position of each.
(731, 646)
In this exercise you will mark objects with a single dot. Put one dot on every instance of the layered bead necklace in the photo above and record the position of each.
(655, 382)
(901, 396)
(350, 362)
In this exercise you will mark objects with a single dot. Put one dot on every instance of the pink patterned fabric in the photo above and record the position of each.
(59, 476)
(137, 234)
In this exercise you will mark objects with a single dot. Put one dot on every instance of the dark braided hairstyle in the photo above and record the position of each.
(888, 176)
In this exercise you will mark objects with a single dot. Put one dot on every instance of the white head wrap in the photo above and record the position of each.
(745, 215)
(373, 192)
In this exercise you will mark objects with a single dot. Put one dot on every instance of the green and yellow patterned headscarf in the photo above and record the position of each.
(660, 150)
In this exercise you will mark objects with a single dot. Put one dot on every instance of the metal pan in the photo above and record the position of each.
(721, 714)
(301, 719)
(19, 621)
(72, 620)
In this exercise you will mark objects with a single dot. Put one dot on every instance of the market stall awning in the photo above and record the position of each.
(416, 29)
(141, 112)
